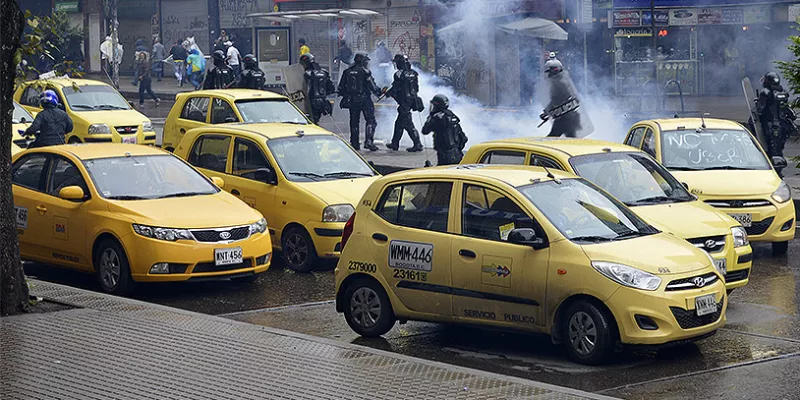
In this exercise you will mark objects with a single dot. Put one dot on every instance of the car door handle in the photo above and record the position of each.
(183, 131)
(380, 237)
(466, 253)
(235, 192)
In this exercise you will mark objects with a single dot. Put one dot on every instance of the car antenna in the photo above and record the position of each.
(702, 118)
(551, 176)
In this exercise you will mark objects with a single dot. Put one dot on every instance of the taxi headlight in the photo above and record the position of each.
(147, 126)
(259, 226)
(627, 276)
(783, 193)
(98, 129)
(168, 234)
(337, 213)
(739, 236)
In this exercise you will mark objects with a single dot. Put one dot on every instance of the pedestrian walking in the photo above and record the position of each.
(145, 80)
(221, 76)
(382, 53)
(449, 139)
(51, 124)
(319, 83)
(137, 58)
(234, 58)
(356, 87)
(106, 54)
(404, 91)
(345, 54)
(196, 66)
(159, 54)
(303, 48)
(179, 56)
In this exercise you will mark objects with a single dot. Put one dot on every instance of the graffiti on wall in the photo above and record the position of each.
(407, 44)
(232, 13)
(451, 60)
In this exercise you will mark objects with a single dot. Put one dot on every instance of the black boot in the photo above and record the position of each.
(393, 146)
(417, 147)
(369, 137)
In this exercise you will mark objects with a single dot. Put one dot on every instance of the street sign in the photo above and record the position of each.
(70, 6)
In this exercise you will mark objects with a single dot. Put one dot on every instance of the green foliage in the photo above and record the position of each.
(45, 45)
(791, 69)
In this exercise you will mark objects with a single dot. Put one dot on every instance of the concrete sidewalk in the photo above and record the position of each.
(110, 347)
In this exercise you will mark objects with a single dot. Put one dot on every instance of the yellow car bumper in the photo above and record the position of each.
(327, 238)
(660, 317)
(146, 138)
(739, 266)
(773, 222)
(193, 260)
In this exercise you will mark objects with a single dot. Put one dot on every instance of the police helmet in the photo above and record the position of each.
(361, 58)
(219, 55)
(771, 80)
(48, 98)
(553, 67)
(439, 102)
(401, 61)
(307, 60)
(249, 60)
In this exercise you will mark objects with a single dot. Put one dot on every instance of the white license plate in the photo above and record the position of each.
(705, 304)
(228, 256)
(411, 255)
(746, 219)
(129, 140)
(722, 266)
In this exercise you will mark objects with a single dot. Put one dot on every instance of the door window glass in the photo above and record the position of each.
(488, 214)
(196, 109)
(417, 205)
(250, 162)
(504, 157)
(542, 161)
(29, 172)
(210, 152)
(635, 138)
(30, 97)
(222, 112)
(649, 144)
(62, 174)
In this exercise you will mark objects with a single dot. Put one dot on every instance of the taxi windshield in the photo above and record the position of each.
(317, 158)
(270, 111)
(20, 114)
(711, 149)
(635, 179)
(94, 98)
(583, 213)
(146, 177)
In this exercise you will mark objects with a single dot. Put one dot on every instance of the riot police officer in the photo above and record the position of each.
(404, 90)
(320, 85)
(221, 76)
(252, 76)
(563, 104)
(51, 124)
(448, 137)
(772, 109)
(356, 88)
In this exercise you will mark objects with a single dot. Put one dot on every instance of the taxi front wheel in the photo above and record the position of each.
(367, 308)
(112, 268)
(780, 248)
(588, 333)
(298, 250)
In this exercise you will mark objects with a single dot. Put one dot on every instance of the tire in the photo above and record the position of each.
(780, 248)
(298, 250)
(112, 268)
(246, 279)
(367, 295)
(74, 140)
(588, 333)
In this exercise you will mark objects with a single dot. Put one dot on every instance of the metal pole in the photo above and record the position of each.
(585, 64)
(655, 43)
(114, 45)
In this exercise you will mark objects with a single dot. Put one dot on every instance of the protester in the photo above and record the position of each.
(234, 60)
(159, 54)
(303, 48)
(196, 67)
(138, 57)
(145, 80)
(345, 54)
(179, 56)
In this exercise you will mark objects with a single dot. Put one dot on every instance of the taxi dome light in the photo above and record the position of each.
(627, 276)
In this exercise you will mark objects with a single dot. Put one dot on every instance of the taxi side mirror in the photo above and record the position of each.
(72, 193)
(265, 175)
(685, 185)
(527, 237)
(130, 103)
(218, 181)
(779, 163)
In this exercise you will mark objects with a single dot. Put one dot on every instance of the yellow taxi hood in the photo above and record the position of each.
(339, 191)
(172, 212)
(111, 117)
(686, 220)
(729, 182)
(649, 253)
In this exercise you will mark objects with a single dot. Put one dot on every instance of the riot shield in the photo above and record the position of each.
(296, 88)
(564, 108)
(749, 96)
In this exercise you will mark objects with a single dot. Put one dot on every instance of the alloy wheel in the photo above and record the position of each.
(110, 268)
(582, 333)
(297, 250)
(365, 306)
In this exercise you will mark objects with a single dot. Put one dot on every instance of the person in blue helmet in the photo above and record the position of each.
(51, 125)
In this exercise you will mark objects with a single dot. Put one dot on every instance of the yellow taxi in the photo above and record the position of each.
(638, 181)
(20, 121)
(99, 113)
(211, 107)
(722, 163)
(305, 180)
(133, 214)
(522, 248)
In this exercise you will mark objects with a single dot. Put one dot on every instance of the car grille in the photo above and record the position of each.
(689, 319)
(737, 203)
(216, 235)
(212, 267)
(736, 276)
(124, 130)
(758, 228)
(688, 283)
(706, 244)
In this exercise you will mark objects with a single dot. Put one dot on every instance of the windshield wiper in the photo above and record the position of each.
(127, 197)
(110, 106)
(84, 106)
(594, 239)
(307, 175)
(654, 199)
(684, 169)
(183, 194)
(347, 173)
(292, 122)
(725, 167)
(630, 234)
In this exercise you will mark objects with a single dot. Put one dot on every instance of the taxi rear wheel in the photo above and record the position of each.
(298, 250)
(588, 333)
(112, 268)
(780, 248)
(74, 140)
(367, 308)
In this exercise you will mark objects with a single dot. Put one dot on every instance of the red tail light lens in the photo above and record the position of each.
(348, 230)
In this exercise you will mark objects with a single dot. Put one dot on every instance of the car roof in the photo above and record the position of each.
(102, 150)
(235, 94)
(514, 175)
(266, 130)
(64, 82)
(673, 124)
(569, 146)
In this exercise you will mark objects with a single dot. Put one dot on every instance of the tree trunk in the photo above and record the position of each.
(13, 288)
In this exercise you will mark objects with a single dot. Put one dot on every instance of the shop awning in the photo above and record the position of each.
(530, 26)
(320, 15)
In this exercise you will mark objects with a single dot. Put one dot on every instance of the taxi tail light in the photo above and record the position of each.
(348, 229)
